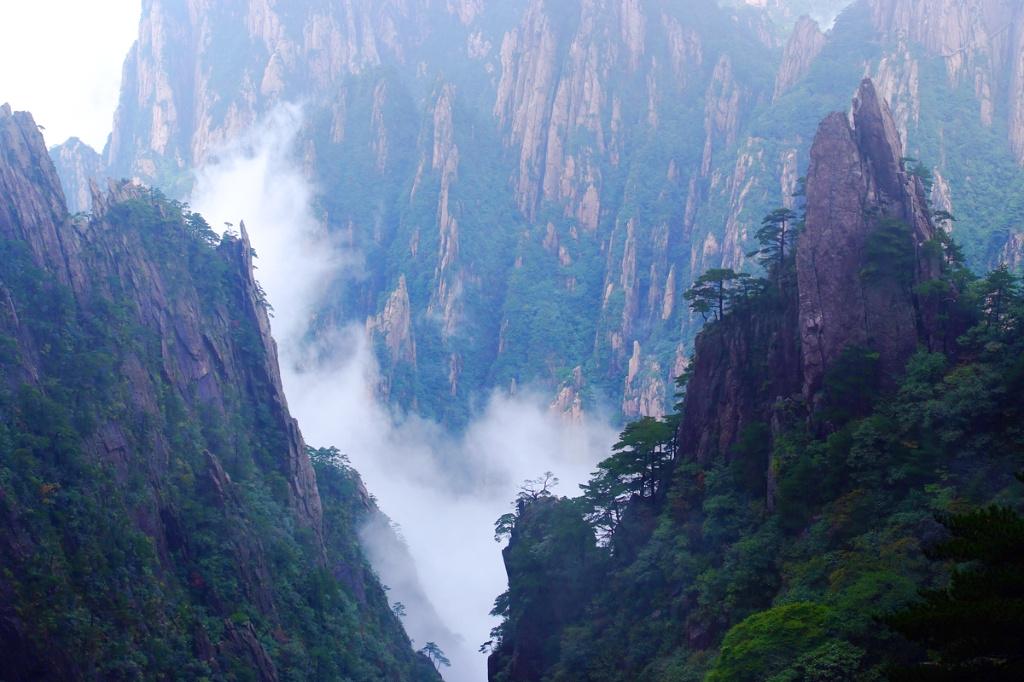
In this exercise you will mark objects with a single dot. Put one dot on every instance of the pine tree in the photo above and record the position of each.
(776, 238)
(713, 291)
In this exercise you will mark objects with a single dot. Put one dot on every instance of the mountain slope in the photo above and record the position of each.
(161, 515)
(829, 419)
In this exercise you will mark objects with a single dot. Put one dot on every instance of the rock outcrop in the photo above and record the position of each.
(76, 162)
(742, 367)
(858, 263)
(394, 323)
(805, 43)
(855, 184)
(393, 328)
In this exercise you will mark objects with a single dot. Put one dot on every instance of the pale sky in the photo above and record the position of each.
(61, 60)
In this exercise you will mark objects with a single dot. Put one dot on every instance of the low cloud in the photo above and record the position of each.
(444, 491)
(446, 513)
(253, 178)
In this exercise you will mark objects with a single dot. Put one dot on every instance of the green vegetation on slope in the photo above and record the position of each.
(774, 560)
(157, 541)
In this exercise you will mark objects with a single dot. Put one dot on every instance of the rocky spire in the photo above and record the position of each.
(858, 262)
(805, 43)
(855, 184)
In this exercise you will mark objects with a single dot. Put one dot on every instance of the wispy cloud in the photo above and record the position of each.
(445, 491)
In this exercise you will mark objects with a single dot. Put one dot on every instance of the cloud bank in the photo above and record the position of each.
(446, 514)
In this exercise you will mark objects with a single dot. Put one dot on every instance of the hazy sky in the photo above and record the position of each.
(61, 60)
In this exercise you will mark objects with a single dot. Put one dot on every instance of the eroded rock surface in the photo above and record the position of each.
(855, 183)
(805, 43)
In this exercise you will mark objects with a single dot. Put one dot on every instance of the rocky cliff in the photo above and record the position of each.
(81, 255)
(859, 264)
(200, 73)
(77, 162)
(153, 478)
(745, 368)
(560, 86)
(980, 44)
(972, 48)
(804, 45)
(851, 294)
(596, 156)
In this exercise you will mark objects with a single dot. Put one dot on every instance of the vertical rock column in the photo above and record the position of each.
(855, 183)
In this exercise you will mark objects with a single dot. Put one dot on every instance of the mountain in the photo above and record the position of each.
(838, 417)
(531, 186)
(75, 163)
(160, 510)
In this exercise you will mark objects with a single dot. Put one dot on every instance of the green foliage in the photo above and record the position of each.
(889, 253)
(851, 385)
(973, 626)
(776, 237)
(716, 290)
(554, 566)
(768, 642)
(638, 466)
(436, 656)
(1000, 296)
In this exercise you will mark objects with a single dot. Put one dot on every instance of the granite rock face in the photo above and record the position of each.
(630, 129)
(855, 183)
(849, 292)
(804, 44)
(76, 162)
(743, 366)
(981, 43)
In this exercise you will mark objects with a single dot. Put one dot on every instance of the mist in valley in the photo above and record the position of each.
(443, 491)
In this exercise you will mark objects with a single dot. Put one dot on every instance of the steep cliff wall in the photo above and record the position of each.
(804, 44)
(81, 255)
(580, 94)
(743, 366)
(596, 156)
(980, 43)
(152, 476)
(202, 72)
(977, 46)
